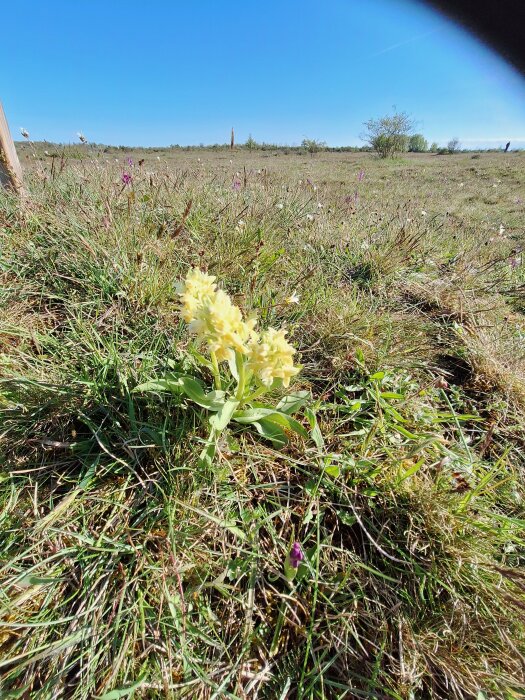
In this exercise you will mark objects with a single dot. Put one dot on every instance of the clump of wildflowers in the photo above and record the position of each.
(256, 363)
(215, 320)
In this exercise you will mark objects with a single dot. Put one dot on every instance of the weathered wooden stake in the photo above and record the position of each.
(232, 142)
(10, 169)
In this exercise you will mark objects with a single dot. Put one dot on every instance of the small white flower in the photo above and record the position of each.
(46, 153)
(237, 174)
(501, 230)
(310, 217)
(198, 160)
(24, 132)
(280, 205)
(319, 205)
(158, 157)
(259, 172)
(423, 212)
(315, 188)
(300, 182)
(292, 299)
(461, 184)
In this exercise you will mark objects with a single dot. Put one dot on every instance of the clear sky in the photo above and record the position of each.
(160, 72)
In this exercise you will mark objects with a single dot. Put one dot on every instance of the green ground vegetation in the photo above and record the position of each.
(128, 568)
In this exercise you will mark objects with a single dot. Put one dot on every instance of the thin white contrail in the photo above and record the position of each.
(402, 43)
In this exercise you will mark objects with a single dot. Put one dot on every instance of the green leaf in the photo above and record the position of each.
(31, 580)
(377, 376)
(194, 391)
(251, 415)
(232, 364)
(315, 432)
(215, 399)
(292, 403)
(162, 384)
(333, 470)
(208, 453)
(122, 692)
(201, 359)
(411, 470)
(271, 415)
(272, 432)
(346, 518)
(223, 416)
(390, 395)
(287, 422)
(405, 432)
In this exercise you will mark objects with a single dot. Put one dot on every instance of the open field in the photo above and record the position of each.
(129, 569)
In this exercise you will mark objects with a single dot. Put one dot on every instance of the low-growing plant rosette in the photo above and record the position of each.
(245, 364)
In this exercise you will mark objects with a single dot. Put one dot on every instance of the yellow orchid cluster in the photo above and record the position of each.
(215, 320)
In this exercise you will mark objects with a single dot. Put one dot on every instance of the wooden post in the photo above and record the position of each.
(10, 169)
(232, 142)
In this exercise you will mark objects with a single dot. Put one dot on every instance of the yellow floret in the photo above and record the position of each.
(219, 323)
(193, 292)
(272, 357)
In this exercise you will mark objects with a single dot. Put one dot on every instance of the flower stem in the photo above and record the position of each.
(215, 370)
(258, 392)
(242, 376)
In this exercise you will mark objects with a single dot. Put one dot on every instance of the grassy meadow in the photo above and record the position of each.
(129, 569)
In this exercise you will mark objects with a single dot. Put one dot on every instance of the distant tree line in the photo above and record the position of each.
(386, 136)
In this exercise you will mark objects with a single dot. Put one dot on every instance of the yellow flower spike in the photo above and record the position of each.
(193, 292)
(271, 357)
(219, 323)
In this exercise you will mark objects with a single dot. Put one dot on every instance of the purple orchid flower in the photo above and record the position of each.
(296, 555)
(236, 185)
(126, 178)
(361, 176)
(130, 162)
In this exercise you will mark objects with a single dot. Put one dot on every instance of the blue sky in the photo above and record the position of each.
(162, 72)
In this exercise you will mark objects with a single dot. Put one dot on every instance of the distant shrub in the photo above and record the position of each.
(251, 144)
(417, 143)
(313, 146)
(389, 135)
(454, 146)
